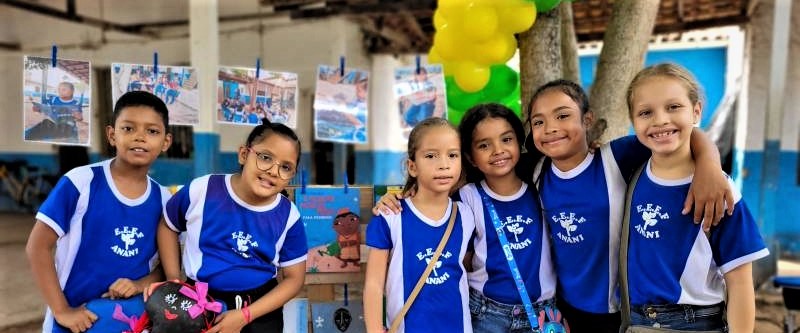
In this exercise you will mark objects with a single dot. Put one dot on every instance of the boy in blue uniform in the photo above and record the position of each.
(102, 220)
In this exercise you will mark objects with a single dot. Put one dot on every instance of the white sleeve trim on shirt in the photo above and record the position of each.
(167, 220)
(294, 261)
(50, 223)
(731, 265)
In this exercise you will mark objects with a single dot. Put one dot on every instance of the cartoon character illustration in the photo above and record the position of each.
(347, 246)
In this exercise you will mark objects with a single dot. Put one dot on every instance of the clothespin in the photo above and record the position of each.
(341, 66)
(345, 295)
(303, 181)
(53, 56)
(155, 65)
(346, 187)
(418, 65)
(258, 68)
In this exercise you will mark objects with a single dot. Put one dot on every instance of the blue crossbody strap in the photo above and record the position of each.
(501, 235)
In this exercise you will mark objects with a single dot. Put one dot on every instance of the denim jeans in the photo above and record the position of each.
(680, 317)
(490, 316)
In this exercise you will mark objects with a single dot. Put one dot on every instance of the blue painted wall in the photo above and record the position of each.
(707, 65)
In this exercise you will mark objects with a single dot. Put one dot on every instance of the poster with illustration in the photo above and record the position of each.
(338, 317)
(244, 100)
(56, 101)
(380, 190)
(420, 95)
(175, 85)
(340, 105)
(333, 228)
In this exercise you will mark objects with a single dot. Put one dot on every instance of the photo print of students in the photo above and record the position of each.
(56, 101)
(420, 95)
(175, 85)
(275, 97)
(340, 105)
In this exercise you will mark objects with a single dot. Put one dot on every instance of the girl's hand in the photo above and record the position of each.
(76, 319)
(710, 194)
(229, 322)
(389, 204)
(123, 288)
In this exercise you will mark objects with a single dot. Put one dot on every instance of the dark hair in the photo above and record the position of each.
(141, 98)
(260, 132)
(68, 84)
(573, 90)
(413, 144)
(474, 116)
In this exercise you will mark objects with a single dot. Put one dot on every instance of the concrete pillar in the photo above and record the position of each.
(204, 46)
(770, 176)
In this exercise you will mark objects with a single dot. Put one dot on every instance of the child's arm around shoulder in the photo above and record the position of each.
(709, 192)
(39, 249)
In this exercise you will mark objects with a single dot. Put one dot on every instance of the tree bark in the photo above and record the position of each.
(539, 54)
(569, 44)
(624, 45)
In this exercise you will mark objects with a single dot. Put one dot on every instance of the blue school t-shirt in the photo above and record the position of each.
(102, 235)
(583, 208)
(521, 219)
(670, 259)
(442, 304)
(230, 244)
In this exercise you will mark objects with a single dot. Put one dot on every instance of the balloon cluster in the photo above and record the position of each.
(474, 39)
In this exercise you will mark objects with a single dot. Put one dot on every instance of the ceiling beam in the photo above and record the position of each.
(70, 15)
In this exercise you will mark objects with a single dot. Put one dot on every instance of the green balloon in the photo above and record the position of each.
(454, 116)
(546, 5)
(459, 99)
(503, 81)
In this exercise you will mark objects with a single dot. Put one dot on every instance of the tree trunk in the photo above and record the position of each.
(569, 44)
(624, 45)
(539, 54)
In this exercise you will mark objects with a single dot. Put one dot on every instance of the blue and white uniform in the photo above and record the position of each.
(522, 223)
(102, 235)
(668, 255)
(231, 245)
(412, 238)
(584, 207)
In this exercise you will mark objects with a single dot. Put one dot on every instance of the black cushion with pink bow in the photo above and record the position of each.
(177, 307)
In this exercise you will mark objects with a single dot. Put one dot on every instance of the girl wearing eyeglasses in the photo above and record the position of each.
(240, 231)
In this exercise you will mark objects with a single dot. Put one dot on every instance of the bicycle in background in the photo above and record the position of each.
(28, 185)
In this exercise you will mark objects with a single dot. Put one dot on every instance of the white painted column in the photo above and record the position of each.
(204, 45)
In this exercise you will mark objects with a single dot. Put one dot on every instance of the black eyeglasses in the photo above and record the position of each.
(265, 162)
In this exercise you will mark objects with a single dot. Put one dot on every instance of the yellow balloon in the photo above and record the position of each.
(450, 8)
(449, 68)
(438, 20)
(478, 22)
(497, 50)
(471, 77)
(516, 18)
(434, 57)
(447, 43)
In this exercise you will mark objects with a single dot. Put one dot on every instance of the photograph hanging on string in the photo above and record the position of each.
(420, 95)
(243, 100)
(340, 105)
(56, 102)
(175, 85)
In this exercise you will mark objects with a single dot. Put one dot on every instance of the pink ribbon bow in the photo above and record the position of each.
(199, 295)
(119, 315)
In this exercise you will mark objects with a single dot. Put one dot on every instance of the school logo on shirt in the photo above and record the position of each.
(651, 215)
(128, 236)
(569, 222)
(243, 243)
(515, 225)
(436, 276)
